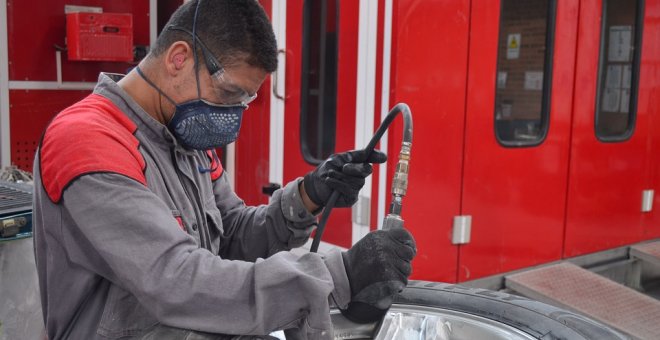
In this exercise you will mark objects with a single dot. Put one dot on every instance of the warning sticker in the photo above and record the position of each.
(534, 80)
(513, 46)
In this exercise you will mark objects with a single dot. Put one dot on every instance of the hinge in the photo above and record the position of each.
(462, 228)
(647, 200)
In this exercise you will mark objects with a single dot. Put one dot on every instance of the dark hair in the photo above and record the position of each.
(232, 29)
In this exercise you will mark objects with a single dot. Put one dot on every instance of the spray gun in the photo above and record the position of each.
(399, 183)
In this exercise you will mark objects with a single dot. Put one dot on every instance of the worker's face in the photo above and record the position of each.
(237, 82)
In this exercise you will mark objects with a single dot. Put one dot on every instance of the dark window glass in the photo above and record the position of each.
(524, 63)
(318, 114)
(618, 73)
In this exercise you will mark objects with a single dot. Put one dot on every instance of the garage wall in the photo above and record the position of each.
(33, 33)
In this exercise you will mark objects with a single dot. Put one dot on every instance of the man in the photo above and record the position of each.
(137, 231)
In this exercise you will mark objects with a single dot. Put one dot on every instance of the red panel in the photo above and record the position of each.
(31, 46)
(29, 114)
(339, 230)
(606, 179)
(252, 147)
(430, 42)
(516, 196)
(649, 99)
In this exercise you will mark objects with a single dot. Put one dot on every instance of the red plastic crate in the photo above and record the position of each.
(99, 36)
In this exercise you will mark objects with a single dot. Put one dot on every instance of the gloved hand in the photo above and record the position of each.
(344, 172)
(378, 267)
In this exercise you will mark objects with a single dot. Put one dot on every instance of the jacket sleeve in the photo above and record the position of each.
(259, 232)
(123, 232)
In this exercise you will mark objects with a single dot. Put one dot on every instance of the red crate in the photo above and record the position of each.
(100, 36)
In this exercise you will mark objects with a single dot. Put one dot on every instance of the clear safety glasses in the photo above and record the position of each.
(227, 91)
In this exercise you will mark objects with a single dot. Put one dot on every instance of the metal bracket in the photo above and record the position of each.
(461, 230)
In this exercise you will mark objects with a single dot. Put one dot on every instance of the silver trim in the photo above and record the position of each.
(87, 9)
(50, 85)
(647, 200)
(5, 135)
(153, 22)
(384, 108)
(462, 229)
(365, 98)
(58, 66)
(277, 105)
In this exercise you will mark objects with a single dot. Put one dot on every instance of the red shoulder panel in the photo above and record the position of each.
(216, 166)
(93, 135)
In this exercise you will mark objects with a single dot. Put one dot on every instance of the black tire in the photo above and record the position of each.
(538, 319)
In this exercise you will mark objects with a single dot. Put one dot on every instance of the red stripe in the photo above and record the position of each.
(180, 220)
(91, 136)
(215, 165)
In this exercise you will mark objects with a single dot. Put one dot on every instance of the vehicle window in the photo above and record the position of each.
(318, 111)
(618, 73)
(524, 65)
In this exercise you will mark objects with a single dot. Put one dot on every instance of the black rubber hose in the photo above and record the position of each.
(407, 137)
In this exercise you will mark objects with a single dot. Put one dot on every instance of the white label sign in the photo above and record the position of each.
(534, 80)
(513, 46)
(620, 43)
(501, 80)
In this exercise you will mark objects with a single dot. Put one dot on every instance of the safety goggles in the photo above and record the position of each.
(227, 91)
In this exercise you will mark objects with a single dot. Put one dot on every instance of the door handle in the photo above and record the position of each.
(276, 91)
(270, 188)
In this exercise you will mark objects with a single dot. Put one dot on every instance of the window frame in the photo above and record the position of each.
(634, 81)
(547, 80)
(304, 83)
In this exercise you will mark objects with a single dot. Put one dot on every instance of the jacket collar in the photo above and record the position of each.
(157, 132)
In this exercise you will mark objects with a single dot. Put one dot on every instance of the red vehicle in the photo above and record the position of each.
(536, 122)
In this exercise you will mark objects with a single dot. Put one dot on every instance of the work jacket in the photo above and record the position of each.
(132, 230)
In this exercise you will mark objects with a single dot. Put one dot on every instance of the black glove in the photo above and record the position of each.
(344, 172)
(378, 267)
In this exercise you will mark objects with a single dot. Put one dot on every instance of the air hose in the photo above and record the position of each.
(399, 183)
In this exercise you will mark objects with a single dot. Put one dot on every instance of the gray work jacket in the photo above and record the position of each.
(131, 231)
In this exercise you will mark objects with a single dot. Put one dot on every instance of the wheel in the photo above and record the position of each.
(430, 310)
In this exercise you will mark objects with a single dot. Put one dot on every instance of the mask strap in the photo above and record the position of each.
(194, 39)
(139, 71)
(204, 170)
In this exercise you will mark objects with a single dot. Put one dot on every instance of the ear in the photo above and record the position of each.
(177, 57)
(178, 60)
